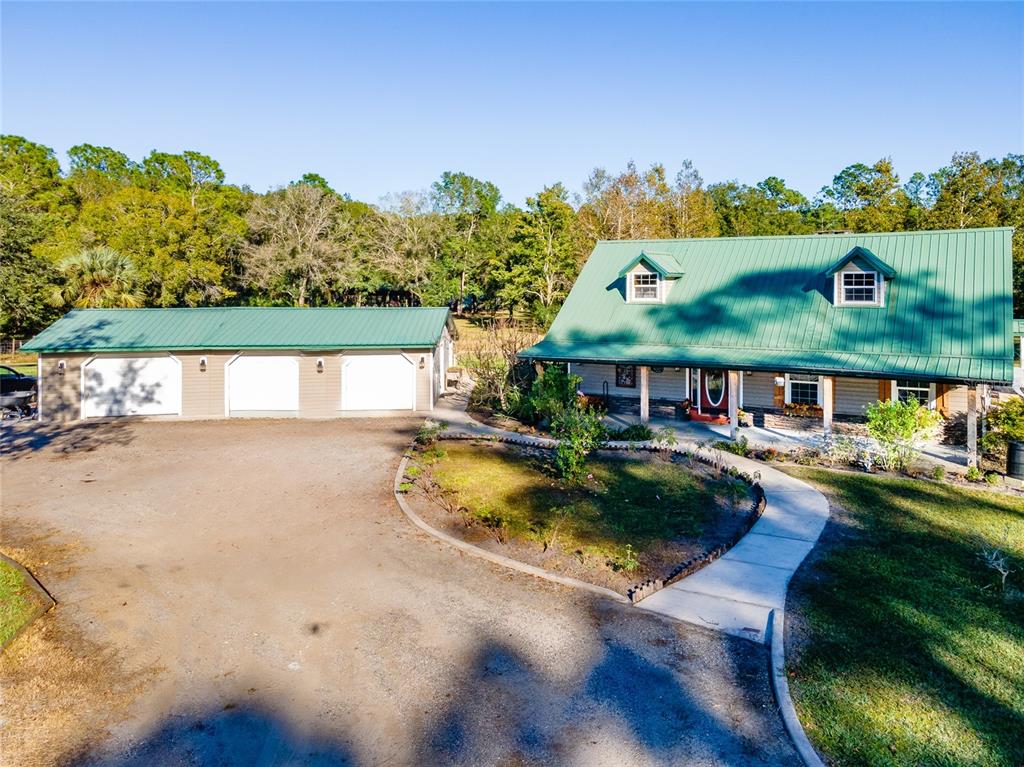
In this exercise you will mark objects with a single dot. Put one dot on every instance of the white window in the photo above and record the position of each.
(859, 288)
(645, 286)
(905, 389)
(803, 389)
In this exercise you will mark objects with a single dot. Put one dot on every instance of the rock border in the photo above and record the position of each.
(46, 600)
(490, 556)
(644, 589)
(780, 686)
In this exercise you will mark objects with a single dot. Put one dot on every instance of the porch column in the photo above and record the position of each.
(972, 425)
(734, 404)
(538, 368)
(827, 403)
(1020, 341)
(645, 404)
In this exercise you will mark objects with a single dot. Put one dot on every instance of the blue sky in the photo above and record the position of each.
(382, 98)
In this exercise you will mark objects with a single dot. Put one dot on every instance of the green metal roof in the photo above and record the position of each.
(766, 303)
(866, 257)
(99, 330)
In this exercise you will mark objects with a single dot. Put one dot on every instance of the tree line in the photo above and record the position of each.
(108, 231)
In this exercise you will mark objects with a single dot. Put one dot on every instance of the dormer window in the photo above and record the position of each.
(860, 278)
(646, 286)
(859, 287)
(649, 278)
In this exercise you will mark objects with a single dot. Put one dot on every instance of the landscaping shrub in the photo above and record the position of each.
(1006, 423)
(635, 432)
(740, 447)
(579, 431)
(553, 393)
(429, 432)
(898, 427)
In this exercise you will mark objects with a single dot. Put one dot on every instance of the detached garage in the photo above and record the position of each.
(242, 362)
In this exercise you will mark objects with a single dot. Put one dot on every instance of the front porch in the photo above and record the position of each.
(951, 457)
(777, 408)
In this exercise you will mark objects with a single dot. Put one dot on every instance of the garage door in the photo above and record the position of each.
(265, 384)
(131, 386)
(377, 382)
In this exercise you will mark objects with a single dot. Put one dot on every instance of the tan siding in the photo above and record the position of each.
(956, 400)
(202, 393)
(669, 384)
(853, 395)
(319, 393)
(61, 395)
(759, 389)
(424, 377)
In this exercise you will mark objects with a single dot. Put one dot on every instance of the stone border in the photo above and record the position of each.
(46, 601)
(497, 559)
(638, 591)
(780, 686)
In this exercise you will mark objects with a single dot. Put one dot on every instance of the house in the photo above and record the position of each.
(242, 361)
(828, 323)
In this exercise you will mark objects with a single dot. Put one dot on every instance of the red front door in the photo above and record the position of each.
(714, 391)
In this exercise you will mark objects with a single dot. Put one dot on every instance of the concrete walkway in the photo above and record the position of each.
(736, 593)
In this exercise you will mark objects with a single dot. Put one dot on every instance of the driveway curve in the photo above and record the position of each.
(247, 592)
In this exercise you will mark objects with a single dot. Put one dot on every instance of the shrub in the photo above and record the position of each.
(739, 447)
(553, 393)
(973, 474)
(939, 473)
(1006, 421)
(993, 478)
(429, 432)
(579, 431)
(898, 427)
(635, 432)
(625, 560)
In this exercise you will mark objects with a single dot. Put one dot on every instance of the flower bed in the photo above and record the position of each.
(640, 516)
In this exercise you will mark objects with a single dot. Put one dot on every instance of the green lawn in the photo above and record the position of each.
(17, 601)
(915, 656)
(631, 502)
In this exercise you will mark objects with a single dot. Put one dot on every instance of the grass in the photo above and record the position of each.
(627, 506)
(18, 601)
(913, 655)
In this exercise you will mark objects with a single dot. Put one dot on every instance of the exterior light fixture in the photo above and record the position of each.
(62, 366)
(202, 364)
(319, 364)
(780, 380)
(423, 362)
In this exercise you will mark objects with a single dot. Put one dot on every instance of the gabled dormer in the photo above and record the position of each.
(649, 277)
(859, 278)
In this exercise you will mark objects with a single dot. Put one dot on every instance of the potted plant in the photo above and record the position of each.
(683, 410)
(1007, 426)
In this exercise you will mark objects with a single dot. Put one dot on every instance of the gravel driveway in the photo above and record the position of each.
(247, 592)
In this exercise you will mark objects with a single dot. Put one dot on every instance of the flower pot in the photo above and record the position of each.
(1015, 460)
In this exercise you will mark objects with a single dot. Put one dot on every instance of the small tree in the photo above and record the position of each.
(1007, 422)
(898, 428)
(553, 393)
(98, 278)
(579, 431)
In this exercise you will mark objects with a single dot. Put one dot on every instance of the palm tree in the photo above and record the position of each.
(98, 278)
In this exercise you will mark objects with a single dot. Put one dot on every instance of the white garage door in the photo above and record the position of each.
(131, 386)
(377, 382)
(259, 383)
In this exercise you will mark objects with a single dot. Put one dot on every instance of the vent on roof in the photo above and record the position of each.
(834, 231)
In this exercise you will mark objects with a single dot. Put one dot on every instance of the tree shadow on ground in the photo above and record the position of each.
(245, 735)
(896, 605)
(24, 438)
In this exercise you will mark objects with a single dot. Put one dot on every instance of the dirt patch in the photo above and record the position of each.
(52, 666)
(442, 511)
